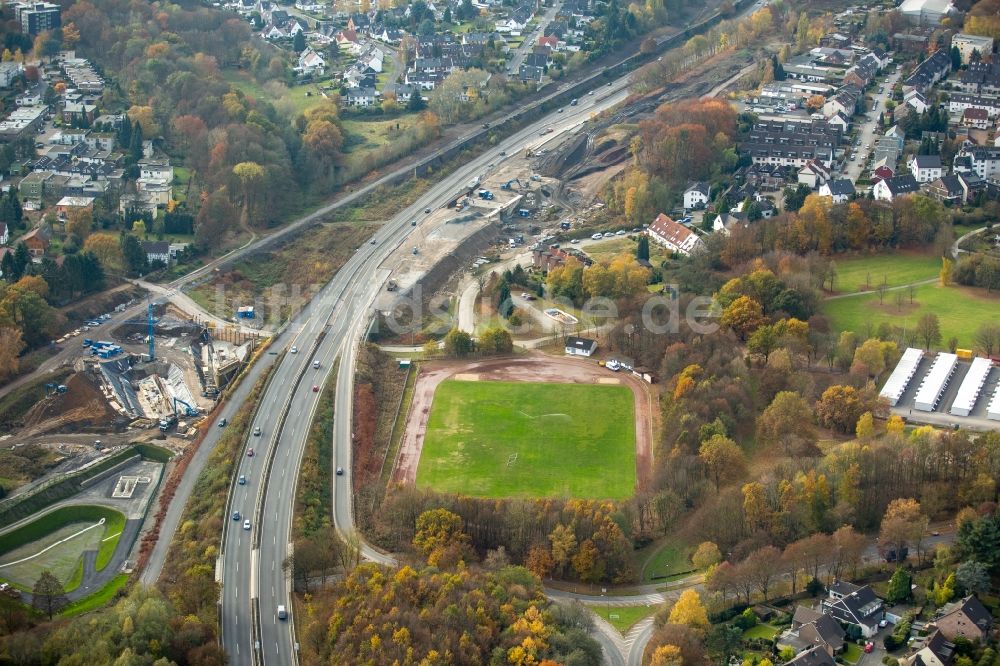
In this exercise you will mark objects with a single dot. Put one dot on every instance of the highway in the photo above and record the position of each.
(250, 564)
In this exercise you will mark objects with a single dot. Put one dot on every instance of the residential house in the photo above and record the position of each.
(935, 650)
(4, 234)
(855, 605)
(36, 241)
(79, 113)
(673, 235)
(766, 177)
(979, 78)
(580, 346)
(966, 618)
(157, 251)
(983, 161)
(32, 186)
(530, 73)
(310, 63)
(960, 102)
(845, 101)
(9, 71)
(813, 174)
(916, 100)
(697, 195)
(137, 202)
(839, 189)
(725, 222)
(888, 189)
(946, 189)
(814, 656)
(976, 119)
(967, 45)
(929, 71)
(791, 142)
(811, 628)
(863, 72)
(68, 204)
(361, 97)
(839, 120)
(925, 168)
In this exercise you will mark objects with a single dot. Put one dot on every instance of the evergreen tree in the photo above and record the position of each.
(125, 133)
(642, 249)
(447, 15)
(22, 262)
(899, 586)
(505, 306)
(956, 58)
(779, 71)
(299, 42)
(135, 256)
(416, 102)
(7, 266)
(135, 143)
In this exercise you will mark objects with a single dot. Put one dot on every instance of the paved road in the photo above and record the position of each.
(531, 39)
(250, 564)
(866, 131)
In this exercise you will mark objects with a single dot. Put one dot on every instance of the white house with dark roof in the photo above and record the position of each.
(852, 604)
(811, 628)
(840, 190)
(897, 186)
(925, 168)
(697, 195)
(673, 235)
(814, 656)
(580, 346)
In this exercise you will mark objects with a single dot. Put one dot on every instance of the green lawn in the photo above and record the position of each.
(97, 599)
(623, 617)
(959, 309)
(852, 652)
(523, 439)
(761, 631)
(291, 100)
(375, 133)
(63, 537)
(611, 248)
(670, 561)
(866, 273)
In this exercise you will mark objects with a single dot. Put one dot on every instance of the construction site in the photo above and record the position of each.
(156, 374)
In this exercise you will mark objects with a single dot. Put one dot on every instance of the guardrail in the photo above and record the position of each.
(269, 462)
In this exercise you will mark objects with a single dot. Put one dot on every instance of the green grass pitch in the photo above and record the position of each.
(523, 439)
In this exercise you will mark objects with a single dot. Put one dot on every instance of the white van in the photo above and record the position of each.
(282, 613)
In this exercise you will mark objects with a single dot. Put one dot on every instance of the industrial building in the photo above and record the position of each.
(945, 389)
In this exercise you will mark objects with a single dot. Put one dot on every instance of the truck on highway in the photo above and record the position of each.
(472, 183)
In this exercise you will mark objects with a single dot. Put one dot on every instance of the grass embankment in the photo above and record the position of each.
(672, 560)
(623, 618)
(63, 558)
(867, 273)
(97, 599)
(765, 631)
(523, 439)
(313, 493)
(190, 562)
(960, 310)
(282, 280)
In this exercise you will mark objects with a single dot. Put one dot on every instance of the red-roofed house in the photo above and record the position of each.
(551, 41)
(673, 235)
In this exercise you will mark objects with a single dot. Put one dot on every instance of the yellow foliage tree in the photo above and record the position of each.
(689, 610)
(667, 655)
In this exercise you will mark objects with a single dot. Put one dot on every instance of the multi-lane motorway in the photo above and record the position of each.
(254, 583)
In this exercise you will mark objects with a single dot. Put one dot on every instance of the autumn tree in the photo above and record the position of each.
(987, 338)
(458, 343)
(839, 408)
(723, 459)
(786, 423)
(902, 525)
(744, 315)
(667, 655)
(436, 531)
(563, 540)
(928, 330)
(79, 223)
(249, 178)
(48, 594)
(689, 610)
(108, 250)
(706, 555)
(11, 346)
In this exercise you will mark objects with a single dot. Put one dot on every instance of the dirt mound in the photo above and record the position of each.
(81, 408)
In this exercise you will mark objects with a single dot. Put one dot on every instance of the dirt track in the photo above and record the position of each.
(534, 368)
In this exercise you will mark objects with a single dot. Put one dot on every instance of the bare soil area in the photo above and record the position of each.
(536, 367)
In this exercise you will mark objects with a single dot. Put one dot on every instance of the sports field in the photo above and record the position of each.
(525, 439)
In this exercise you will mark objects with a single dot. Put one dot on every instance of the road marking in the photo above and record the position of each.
(61, 541)
(110, 537)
